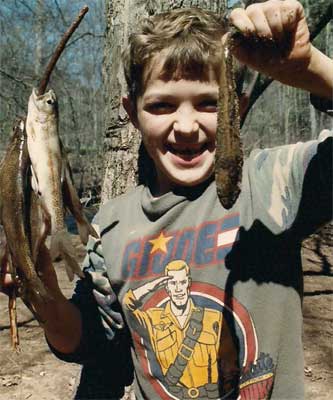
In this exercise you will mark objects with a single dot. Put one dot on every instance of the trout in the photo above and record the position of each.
(229, 154)
(14, 214)
(51, 178)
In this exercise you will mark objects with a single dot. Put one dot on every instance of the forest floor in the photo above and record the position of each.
(35, 374)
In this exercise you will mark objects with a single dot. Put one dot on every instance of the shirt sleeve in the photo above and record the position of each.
(316, 201)
(322, 104)
(291, 186)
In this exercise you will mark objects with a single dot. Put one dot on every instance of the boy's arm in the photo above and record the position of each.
(284, 22)
(61, 319)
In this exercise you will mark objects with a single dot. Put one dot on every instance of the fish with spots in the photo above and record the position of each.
(52, 178)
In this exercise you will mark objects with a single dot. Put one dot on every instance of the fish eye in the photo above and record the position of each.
(49, 101)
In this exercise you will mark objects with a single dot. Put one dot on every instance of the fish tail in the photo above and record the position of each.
(33, 311)
(61, 246)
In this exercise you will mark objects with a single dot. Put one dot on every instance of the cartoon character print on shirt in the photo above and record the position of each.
(185, 343)
(193, 342)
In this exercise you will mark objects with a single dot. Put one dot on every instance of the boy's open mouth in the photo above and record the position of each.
(186, 150)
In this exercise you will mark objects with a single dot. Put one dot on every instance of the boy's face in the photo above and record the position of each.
(178, 121)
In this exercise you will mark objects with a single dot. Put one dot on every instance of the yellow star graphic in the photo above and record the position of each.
(160, 243)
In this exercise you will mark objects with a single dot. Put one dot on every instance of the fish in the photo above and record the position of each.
(52, 180)
(7, 268)
(14, 215)
(229, 152)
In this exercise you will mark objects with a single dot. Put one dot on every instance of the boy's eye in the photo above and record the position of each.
(208, 105)
(160, 107)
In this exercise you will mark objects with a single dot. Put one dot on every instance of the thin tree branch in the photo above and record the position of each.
(82, 36)
(59, 50)
(27, 6)
(13, 78)
(60, 12)
(75, 40)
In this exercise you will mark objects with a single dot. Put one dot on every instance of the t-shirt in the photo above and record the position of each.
(208, 300)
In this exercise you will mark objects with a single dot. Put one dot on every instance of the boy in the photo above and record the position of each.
(208, 300)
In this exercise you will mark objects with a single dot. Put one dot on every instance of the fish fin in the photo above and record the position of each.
(33, 311)
(73, 204)
(61, 246)
(71, 265)
(85, 229)
(44, 225)
(34, 181)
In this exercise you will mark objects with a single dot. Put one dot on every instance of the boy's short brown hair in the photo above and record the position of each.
(187, 41)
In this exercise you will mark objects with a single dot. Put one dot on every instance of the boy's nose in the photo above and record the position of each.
(185, 123)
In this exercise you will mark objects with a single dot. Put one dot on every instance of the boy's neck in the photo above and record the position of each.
(157, 190)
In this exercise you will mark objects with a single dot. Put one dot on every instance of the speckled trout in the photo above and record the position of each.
(51, 178)
(15, 214)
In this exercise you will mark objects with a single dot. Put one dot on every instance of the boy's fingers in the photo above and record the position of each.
(291, 13)
(7, 283)
(259, 20)
(242, 22)
(6, 279)
(270, 20)
(274, 20)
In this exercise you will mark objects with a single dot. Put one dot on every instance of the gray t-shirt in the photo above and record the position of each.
(212, 298)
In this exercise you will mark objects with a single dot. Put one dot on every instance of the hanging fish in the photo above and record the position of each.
(51, 178)
(14, 213)
(229, 153)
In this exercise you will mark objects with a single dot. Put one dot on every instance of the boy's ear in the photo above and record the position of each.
(128, 105)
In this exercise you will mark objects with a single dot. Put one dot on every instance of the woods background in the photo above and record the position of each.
(88, 80)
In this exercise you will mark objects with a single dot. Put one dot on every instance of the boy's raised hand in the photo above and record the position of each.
(283, 47)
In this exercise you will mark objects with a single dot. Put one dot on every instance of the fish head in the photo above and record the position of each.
(45, 104)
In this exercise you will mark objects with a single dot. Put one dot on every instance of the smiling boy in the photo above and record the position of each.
(181, 148)
(244, 323)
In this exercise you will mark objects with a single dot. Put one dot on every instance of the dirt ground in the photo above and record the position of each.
(35, 374)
